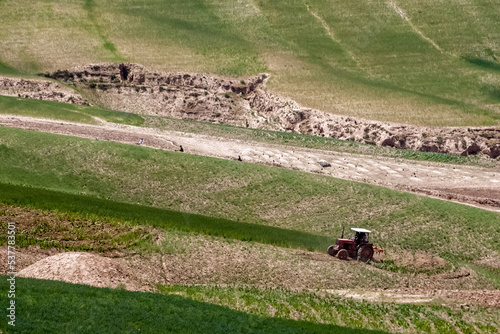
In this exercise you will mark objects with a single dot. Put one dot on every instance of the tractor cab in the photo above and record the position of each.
(362, 236)
(357, 247)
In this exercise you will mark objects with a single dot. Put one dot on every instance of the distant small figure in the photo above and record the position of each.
(141, 141)
(324, 163)
(239, 158)
(181, 149)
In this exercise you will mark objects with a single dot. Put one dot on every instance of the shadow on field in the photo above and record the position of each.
(86, 205)
(56, 307)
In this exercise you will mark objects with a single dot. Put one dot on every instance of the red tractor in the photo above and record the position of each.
(358, 247)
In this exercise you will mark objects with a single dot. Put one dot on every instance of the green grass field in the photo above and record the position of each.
(412, 62)
(239, 192)
(75, 223)
(56, 307)
(63, 111)
(87, 207)
(328, 309)
(7, 70)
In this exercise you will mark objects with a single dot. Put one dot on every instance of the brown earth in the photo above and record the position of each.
(85, 268)
(132, 88)
(418, 261)
(238, 102)
(25, 257)
(465, 184)
(493, 261)
(39, 90)
(488, 298)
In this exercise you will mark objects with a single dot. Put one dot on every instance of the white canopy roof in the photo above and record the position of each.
(360, 230)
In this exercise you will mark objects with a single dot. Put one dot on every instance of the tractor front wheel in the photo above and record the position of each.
(365, 253)
(343, 254)
(332, 251)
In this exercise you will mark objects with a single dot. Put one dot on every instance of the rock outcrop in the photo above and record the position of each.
(132, 88)
(39, 90)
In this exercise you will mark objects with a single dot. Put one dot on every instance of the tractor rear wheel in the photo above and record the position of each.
(365, 253)
(332, 251)
(343, 254)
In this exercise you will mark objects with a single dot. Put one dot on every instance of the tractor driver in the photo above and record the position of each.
(360, 238)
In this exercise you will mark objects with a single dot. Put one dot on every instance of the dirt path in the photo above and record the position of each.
(466, 184)
(487, 298)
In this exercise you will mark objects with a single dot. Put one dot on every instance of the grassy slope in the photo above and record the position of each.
(7, 70)
(334, 310)
(78, 223)
(71, 307)
(68, 231)
(98, 208)
(244, 192)
(358, 58)
(63, 111)
(56, 307)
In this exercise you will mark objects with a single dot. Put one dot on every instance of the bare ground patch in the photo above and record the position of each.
(416, 260)
(488, 298)
(215, 261)
(24, 257)
(84, 268)
(492, 261)
(39, 89)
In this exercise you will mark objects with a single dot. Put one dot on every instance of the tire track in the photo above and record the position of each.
(332, 35)
(403, 15)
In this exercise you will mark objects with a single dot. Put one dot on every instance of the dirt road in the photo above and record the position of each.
(471, 185)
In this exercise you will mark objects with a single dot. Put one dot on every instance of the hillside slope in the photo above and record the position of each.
(242, 192)
(471, 184)
(413, 62)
